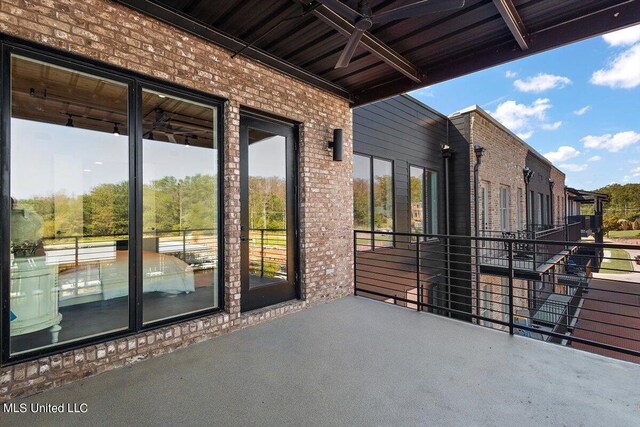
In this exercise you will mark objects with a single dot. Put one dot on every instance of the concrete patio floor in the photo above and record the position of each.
(357, 362)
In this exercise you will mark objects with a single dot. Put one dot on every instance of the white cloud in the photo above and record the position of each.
(582, 111)
(551, 126)
(594, 159)
(541, 82)
(425, 92)
(626, 178)
(525, 135)
(622, 72)
(522, 118)
(635, 172)
(612, 143)
(625, 37)
(572, 167)
(510, 74)
(562, 154)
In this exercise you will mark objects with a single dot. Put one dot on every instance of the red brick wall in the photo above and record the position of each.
(107, 31)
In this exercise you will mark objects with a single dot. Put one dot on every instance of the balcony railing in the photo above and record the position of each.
(569, 303)
(529, 256)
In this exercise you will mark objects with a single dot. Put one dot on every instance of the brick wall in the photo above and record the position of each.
(106, 31)
(502, 163)
(559, 201)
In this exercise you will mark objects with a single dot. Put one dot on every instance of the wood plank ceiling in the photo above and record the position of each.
(435, 47)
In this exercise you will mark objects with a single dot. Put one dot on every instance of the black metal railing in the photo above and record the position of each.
(569, 300)
(267, 252)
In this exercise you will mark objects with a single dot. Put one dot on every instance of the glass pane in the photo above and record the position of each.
(417, 199)
(383, 200)
(267, 208)
(361, 192)
(180, 207)
(69, 205)
(432, 202)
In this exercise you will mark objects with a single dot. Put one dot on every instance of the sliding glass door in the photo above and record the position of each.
(110, 213)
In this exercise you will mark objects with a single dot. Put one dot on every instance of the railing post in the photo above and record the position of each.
(184, 245)
(418, 287)
(76, 264)
(355, 268)
(262, 252)
(511, 275)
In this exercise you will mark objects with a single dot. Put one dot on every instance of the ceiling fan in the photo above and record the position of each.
(363, 19)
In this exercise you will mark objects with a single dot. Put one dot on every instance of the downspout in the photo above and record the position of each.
(478, 150)
(446, 154)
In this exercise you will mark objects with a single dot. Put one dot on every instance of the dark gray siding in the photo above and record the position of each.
(460, 214)
(407, 132)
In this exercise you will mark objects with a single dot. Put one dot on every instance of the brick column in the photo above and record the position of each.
(231, 144)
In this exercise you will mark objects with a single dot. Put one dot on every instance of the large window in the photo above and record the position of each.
(69, 220)
(423, 200)
(91, 250)
(180, 175)
(373, 197)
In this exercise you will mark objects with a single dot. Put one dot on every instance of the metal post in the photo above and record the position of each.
(418, 286)
(262, 252)
(511, 274)
(76, 264)
(355, 268)
(184, 245)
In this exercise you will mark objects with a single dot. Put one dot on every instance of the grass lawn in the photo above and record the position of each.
(619, 234)
(612, 266)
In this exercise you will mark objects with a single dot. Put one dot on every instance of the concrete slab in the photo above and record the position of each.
(357, 362)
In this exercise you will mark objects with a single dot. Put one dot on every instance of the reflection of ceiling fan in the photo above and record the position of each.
(363, 19)
(163, 125)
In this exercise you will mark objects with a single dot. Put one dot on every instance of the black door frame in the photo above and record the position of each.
(251, 299)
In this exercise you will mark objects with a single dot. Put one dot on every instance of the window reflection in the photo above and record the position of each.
(180, 169)
(361, 192)
(267, 208)
(69, 205)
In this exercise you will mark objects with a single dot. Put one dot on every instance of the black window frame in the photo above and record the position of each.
(135, 83)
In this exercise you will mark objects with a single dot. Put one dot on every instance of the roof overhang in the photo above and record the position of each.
(303, 39)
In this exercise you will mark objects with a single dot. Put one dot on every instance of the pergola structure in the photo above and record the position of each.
(304, 38)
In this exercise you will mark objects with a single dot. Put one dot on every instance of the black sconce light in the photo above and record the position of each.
(336, 145)
(69, 121)
(527, 174)
(116, 131)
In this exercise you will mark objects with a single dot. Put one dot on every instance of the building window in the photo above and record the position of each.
(424, 200)
(69, 224)
(504, 209)
(549, 217)
(539, 211)
(383, 195)
(361, 192)
(416, 188)
(180, 227)
(76, 208)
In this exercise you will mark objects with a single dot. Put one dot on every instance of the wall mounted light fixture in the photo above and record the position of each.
(336, 145)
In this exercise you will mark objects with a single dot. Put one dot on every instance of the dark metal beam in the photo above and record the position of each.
(621, 15)
(370, 43)
(512, 18)
(186, 23)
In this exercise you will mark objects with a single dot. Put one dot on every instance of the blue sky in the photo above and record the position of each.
(579, 105)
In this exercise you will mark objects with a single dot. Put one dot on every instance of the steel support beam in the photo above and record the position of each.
(511, 17)
(610, 18)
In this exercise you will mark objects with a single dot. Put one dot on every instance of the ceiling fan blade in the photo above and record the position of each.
(341, 9)
(418, 8)
(350, 48)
